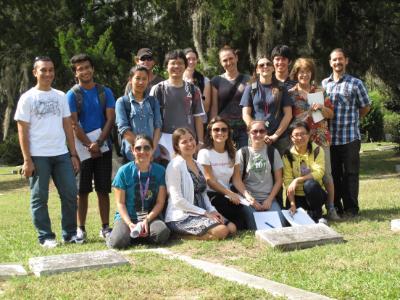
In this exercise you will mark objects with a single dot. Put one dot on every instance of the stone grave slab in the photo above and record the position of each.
(395, 225)
(299, 237)
(47, 265)
(10, 270)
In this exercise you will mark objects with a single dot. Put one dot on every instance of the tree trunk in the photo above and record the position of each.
(6, 122)
(197, 34)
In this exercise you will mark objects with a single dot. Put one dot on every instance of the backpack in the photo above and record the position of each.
(246, 156)
(79, 97)
(289, 155)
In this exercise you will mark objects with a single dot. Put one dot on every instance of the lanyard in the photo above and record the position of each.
(143, 190)
(264, 100)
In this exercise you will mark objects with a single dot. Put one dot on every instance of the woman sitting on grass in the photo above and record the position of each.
(218, 160)
(261, 172)
(303, 169)
(140, 196)
(189, 211)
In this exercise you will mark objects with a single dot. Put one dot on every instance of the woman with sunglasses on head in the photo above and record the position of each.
(140, 197)
(193, 76)
(267, 100)
(189, 211)
(304, 72)
(219, 161)
(303, 169)
(261, 172)
(137, 113)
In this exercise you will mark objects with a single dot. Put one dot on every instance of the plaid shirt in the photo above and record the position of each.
(347, 95)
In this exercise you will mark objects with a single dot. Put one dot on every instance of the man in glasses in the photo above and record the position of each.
(47, 144)
(350, 101)
(145, 57)
(93, 115)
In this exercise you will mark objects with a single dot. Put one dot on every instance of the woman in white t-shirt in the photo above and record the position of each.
(218, 160)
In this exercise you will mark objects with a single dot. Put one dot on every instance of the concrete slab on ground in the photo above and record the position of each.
(11, 270)
(47, 265)
(395, 225)
(300, 237)
(274, 288)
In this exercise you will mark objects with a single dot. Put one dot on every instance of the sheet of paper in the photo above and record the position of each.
(299, 218)
(166, 142)
(267, 219)
(83, 153)
(312, 98)
(243, 200)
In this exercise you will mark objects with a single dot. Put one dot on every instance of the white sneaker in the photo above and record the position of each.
(323, 221)
(73, 240)
(104, 232)
(81, 234)
(49, 244)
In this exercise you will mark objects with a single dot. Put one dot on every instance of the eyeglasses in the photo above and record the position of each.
(146, 57)
(263, 65)
(299, 135)
(145, 148)
(258, 131)
(222, 129)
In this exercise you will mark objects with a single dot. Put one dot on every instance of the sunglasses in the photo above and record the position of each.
(268, 64)
(145, 148)
(146, 57)
(258, 131)
(222, 129)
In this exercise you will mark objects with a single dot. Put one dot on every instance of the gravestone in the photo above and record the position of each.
(299, 237)
(395, 225)
(10, 270)
(47, 265)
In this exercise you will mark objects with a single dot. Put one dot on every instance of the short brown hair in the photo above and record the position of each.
(303, 63)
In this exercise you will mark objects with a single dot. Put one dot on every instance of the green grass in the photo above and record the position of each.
(365, 267)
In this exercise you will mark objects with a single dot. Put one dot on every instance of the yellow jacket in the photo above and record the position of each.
(292, 170)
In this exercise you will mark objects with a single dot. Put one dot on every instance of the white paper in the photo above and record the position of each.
(166, 142)
(267, 220)
(299, 218)
(83, 153)
(243, 200)
(318, 98)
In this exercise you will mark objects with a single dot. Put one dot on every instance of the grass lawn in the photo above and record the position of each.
(367, 266)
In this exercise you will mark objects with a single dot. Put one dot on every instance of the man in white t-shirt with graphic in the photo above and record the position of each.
(45, 131)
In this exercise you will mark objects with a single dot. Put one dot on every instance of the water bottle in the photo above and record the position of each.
(136, 230)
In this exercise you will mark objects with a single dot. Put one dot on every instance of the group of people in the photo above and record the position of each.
(225, 141)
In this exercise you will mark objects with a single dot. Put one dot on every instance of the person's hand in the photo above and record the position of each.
(316, 106)
(131, 226)
(270, 139)
(292, 188)
(145, 228)
(292, 209)
(216, 216)
(267, 204)
(257, 206)
(249, 197)
(234, 198)
(28, 168)
(75, 163)
(94, 148)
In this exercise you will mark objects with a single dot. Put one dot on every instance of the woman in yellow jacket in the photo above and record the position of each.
(303, 169)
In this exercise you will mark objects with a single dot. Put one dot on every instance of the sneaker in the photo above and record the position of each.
(323, 221)
(104, 232)
(81, 234)
(49, 244)
(332, 215)
(73, 240)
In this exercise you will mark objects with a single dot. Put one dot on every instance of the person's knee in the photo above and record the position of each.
(232, 228)
(159, 232)
(117, 241)
(310, 186)
(219, 232)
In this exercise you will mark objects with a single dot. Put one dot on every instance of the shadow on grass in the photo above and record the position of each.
(375, 164)
(14, 184)
(377, 214)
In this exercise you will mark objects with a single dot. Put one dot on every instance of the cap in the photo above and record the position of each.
(144, 51)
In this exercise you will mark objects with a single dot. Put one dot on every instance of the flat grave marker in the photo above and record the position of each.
(10, 270)
(47, 265)
(299, 237)
(395, 225)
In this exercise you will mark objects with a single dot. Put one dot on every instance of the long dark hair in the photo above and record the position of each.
(176, 136)
(229, 144)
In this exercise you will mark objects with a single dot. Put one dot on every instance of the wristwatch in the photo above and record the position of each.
(99, 143)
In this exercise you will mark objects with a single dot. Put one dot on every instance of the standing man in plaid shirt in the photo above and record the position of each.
(350, 100)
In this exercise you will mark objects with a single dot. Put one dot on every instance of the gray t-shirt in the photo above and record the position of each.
(258, 179)
(178, 106)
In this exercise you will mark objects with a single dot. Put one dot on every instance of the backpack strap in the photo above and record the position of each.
(254, 87)
(316, 152)
(271, 159)
(78, 98)
(245, 155)
(101, 92)
(127, 106)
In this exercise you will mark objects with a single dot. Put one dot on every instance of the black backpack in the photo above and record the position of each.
(79, 97)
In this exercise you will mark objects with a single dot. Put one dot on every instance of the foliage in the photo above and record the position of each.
(10, 152)
(392, 126)
(372, 124)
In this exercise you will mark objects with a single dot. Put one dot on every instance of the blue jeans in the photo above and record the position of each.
(249, 216)
(60, 169)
